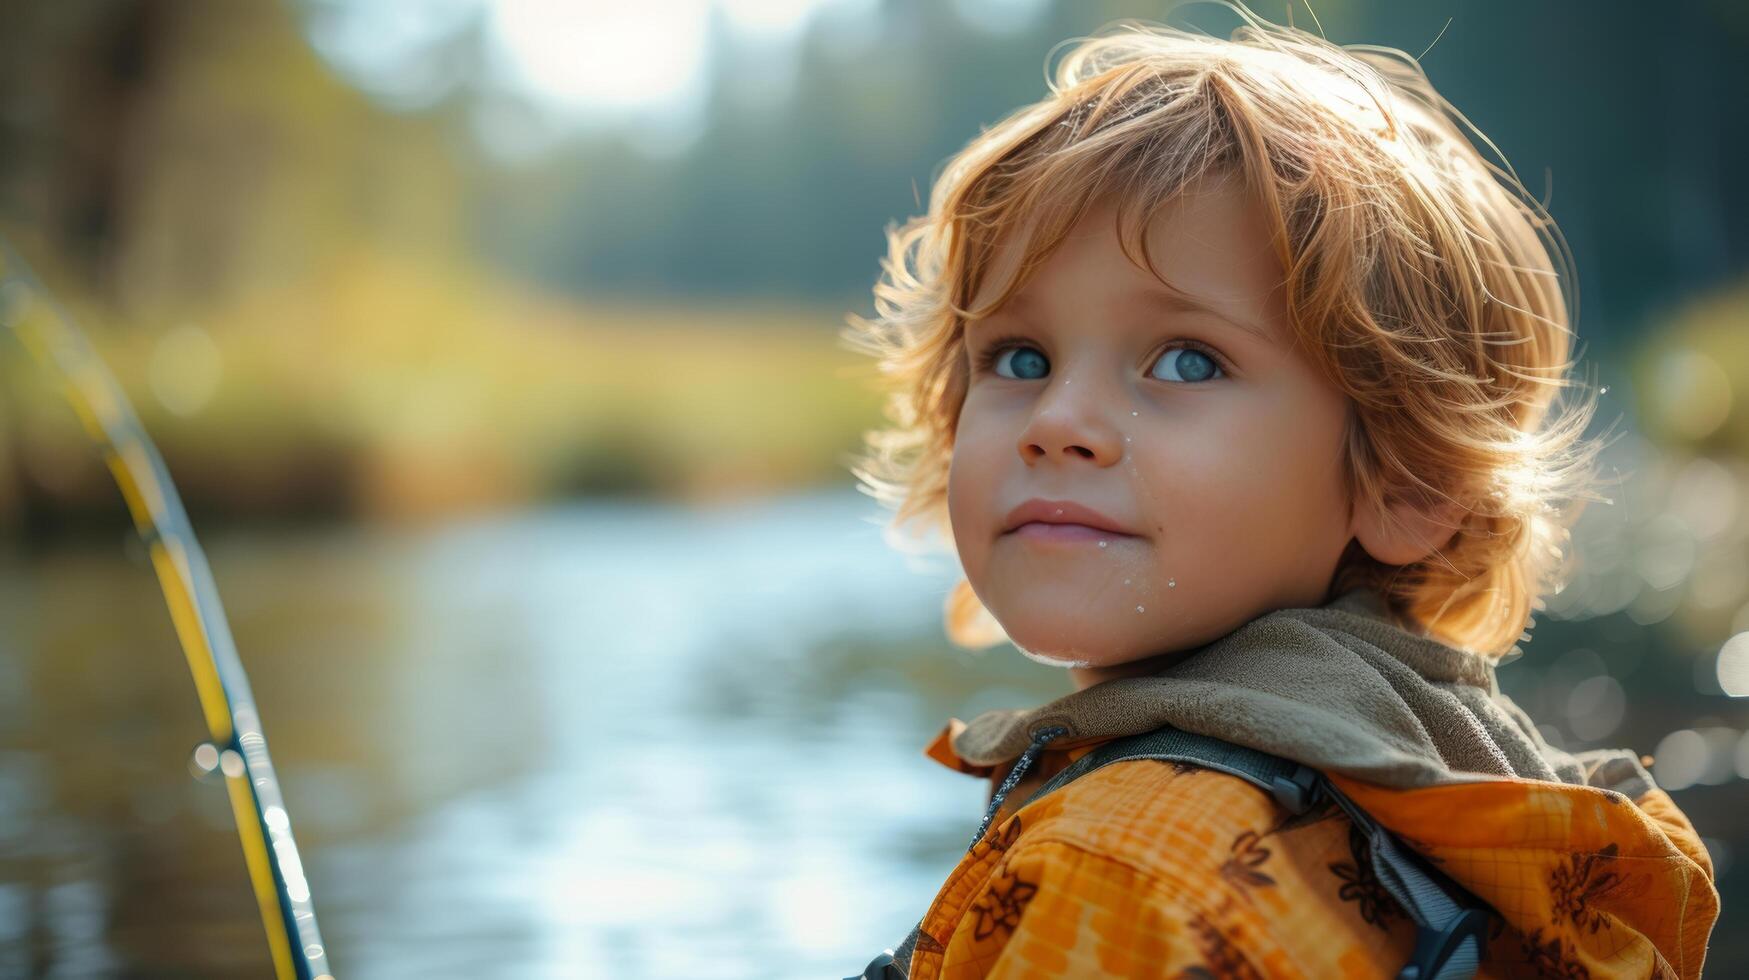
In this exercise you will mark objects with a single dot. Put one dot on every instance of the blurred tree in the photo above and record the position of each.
(73, 77)
(188, 153)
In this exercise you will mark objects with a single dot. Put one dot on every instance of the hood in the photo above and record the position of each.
(1419, 734)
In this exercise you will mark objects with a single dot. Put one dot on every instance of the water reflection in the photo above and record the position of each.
(614, 740)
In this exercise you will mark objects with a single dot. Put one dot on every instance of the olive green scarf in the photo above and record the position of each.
(1340, 688)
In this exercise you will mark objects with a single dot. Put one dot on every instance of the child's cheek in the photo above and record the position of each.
(973, 492)
(1187, 478)
(1216, 496)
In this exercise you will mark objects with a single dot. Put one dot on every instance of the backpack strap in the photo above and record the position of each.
(1291, 783)
(1451, 924)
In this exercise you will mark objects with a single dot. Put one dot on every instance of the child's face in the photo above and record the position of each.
(1224, 470)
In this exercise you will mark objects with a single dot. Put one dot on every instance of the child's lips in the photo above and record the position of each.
(1042, 531)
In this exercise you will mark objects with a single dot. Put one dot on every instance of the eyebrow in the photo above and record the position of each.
(1157, 299)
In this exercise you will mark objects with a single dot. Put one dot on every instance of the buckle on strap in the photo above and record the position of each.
(1434, 946)
(1298, 792)
(880, 968)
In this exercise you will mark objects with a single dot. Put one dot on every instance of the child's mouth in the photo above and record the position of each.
(1043, 531)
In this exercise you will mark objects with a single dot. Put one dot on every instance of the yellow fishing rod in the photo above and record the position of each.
(238, 750)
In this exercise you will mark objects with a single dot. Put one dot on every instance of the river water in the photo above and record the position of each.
(608, 740)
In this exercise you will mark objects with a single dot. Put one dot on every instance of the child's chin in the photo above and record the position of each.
(1054, 651)
(1054, 660)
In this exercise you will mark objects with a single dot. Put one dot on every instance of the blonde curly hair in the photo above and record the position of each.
(1421, 280)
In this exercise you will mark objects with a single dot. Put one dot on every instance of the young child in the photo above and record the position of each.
(1230, 368)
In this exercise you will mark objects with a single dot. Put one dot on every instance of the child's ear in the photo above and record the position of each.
(1405, 532)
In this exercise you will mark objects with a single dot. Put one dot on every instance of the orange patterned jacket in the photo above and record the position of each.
(1146, 868)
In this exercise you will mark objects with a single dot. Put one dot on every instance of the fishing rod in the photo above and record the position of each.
(238, 749)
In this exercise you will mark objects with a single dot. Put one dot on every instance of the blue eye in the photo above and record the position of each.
(1189, 364)
(1028, 361)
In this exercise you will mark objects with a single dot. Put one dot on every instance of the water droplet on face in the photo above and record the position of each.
(1138, 609)
(1102, 544)
(1172, 583)
(1059, 510)
(1132, 414)
(1126, 581)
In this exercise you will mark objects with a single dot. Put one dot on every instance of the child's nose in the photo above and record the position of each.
(1068, 425)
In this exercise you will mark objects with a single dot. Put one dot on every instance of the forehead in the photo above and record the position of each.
(1210, 250)
(1145, 302)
